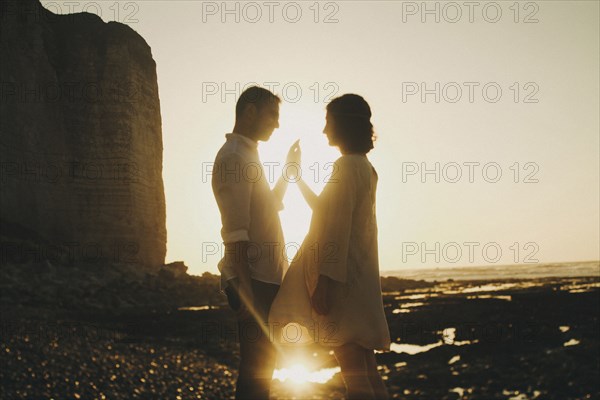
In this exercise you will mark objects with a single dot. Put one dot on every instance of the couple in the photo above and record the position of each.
(332, 286)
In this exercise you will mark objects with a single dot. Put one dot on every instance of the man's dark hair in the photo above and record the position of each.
(257, 96)
(353, 128)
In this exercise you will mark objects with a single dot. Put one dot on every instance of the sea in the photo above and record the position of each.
(494, 272)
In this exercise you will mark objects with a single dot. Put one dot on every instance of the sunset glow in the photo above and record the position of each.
(298, 374)
(304, 123)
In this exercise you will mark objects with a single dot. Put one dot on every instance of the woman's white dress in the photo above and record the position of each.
(341, 244)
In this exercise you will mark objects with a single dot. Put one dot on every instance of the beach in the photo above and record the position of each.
(484, 339)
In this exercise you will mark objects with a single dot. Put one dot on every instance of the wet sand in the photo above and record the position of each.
(509, 339)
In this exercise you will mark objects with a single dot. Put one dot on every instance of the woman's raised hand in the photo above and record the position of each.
(294, 157)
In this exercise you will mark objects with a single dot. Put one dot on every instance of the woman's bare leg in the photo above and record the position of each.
(377, 384)
(353, 364)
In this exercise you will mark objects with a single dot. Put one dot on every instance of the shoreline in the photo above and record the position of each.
(493, 272)
(542, 331)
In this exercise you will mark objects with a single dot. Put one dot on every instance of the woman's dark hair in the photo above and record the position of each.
(353, 129)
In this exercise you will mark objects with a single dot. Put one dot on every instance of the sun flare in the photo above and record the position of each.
(298, 374)
(304, 122)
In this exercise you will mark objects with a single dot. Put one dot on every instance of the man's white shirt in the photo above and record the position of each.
(249, 210)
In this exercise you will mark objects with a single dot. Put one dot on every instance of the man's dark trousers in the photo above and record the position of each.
(257, 353)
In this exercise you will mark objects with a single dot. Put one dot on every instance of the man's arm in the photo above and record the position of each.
(238, 259)
(233, 191)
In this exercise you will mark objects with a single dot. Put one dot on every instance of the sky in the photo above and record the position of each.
(486, 115)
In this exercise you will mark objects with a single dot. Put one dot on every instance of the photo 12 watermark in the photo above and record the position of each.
(469, 172)
(453, 12)
(253, 172)
(66, 172)
(469, 252)
(470, 92)
(252, 12)
(70, 252)
(290, 91)
(126, 12)
(465, 332)
(270, 252)
(87, 92)
(42, 333)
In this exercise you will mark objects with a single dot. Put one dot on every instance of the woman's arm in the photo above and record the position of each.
(310, 196)
(280, 188)
(293, 157)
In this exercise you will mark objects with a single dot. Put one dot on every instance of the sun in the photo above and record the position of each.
(298, 375)
(304, 122)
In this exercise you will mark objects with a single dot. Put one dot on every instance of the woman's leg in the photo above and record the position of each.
(377, 384)
(353, 364)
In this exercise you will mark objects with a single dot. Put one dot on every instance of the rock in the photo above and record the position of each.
(80, 141)
(165, 275)
(178, 268)
(393, 284)
(107, 288)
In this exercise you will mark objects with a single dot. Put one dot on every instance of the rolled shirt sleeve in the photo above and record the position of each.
(232, 192)
(336, 203)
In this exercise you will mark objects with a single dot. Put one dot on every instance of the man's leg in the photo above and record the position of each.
(264, 352)
(257, 353)
(249, 385)
(243, 381)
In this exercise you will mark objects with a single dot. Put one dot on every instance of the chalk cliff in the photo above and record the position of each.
(80, 140)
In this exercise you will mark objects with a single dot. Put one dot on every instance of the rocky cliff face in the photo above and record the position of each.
(80, 140)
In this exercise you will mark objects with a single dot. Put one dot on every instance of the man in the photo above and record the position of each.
(254, 262)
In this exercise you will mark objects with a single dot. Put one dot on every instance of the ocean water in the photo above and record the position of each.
(492, 272)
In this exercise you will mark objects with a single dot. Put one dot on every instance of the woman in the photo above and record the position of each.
(332, 287)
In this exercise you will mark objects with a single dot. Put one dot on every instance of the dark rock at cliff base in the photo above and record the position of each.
(112, 288)
(393, 284)
(175, 269)
(80, 141)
